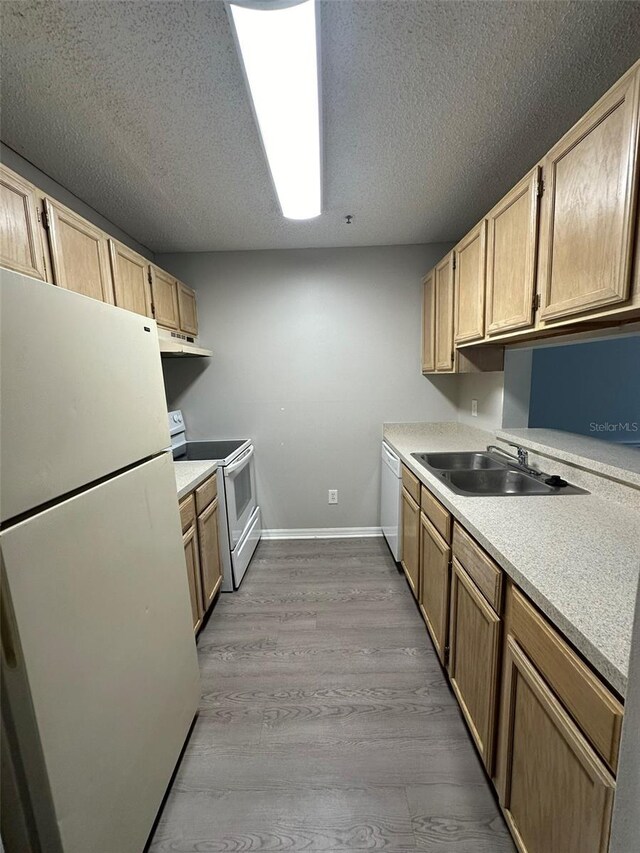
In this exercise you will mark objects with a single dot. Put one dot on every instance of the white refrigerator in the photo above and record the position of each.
(99, 667)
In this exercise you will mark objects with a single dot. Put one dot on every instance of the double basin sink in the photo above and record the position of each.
(483, 473)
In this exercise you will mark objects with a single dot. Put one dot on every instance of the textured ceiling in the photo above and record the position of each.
(432, 110)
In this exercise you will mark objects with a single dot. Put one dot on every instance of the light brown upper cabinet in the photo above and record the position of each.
(44, 239)
(79, 253)
(512, 239)
(469, 284)
(164, 291)
(444, 314)
(587, 222)
(187, 309)
(130, 279)
(429, 323)
(21, 247)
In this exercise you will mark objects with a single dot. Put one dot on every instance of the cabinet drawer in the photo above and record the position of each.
(479, 566)
(411, 483)
(205, 493)
(436, 513)
(187, 509)
(596, 710)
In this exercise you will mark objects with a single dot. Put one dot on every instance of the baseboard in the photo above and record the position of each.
(322, 533)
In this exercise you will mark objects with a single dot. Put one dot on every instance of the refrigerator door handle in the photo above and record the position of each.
(8, 645)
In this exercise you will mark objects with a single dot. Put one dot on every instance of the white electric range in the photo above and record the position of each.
(238, 510)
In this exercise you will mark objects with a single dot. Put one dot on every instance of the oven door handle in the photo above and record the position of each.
(240, 463)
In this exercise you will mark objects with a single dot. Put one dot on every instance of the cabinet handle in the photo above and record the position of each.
(8, 646)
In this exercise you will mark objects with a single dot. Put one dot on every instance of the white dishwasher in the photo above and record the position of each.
(391, 500)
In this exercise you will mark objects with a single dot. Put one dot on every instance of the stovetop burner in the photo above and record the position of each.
(214, 450)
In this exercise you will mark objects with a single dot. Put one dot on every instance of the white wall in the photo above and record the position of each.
(313, 350)
(517, 386)
(28, 171)
(625, 829)
(487, 389)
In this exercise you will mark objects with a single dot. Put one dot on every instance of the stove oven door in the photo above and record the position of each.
(240, 488)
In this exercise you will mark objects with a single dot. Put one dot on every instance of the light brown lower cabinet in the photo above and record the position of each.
(544, 723)
(190, 542)
(411, 540)
(555, 792)
(210, 568)
(435, 571)
(474, 658)
(199, 519)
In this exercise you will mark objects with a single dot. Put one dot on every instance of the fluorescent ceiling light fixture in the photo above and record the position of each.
(279, 51)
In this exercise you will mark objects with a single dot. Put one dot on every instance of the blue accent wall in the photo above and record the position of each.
(591, 388)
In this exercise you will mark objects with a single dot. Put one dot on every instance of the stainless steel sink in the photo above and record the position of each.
(504, 481)
(479, 473)
(458, 461)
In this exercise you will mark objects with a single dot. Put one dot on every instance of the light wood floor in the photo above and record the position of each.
(326, 723)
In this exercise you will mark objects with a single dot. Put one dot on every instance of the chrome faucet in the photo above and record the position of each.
(521, 456)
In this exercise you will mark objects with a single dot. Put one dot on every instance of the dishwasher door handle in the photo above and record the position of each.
(391, 459)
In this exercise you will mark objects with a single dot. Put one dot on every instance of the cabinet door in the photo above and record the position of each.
(590, 181)
(130, 279)
(555, 792)
(164, 291)
(21, 246)
(469, 288)
(429, 324)
(190, 542)
(187, 309)
(444, 313)
(512, 240)
(411, 540)
(474, 639)
(79, 254)
(209, 553)
(435, 558)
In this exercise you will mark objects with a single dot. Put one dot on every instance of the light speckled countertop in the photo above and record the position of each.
(191, 474)
(576, 556)
(617, 461)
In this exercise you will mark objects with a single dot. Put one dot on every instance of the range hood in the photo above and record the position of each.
(176, 345)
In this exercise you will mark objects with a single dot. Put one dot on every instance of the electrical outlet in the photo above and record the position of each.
(333, 496)
(474, 408)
